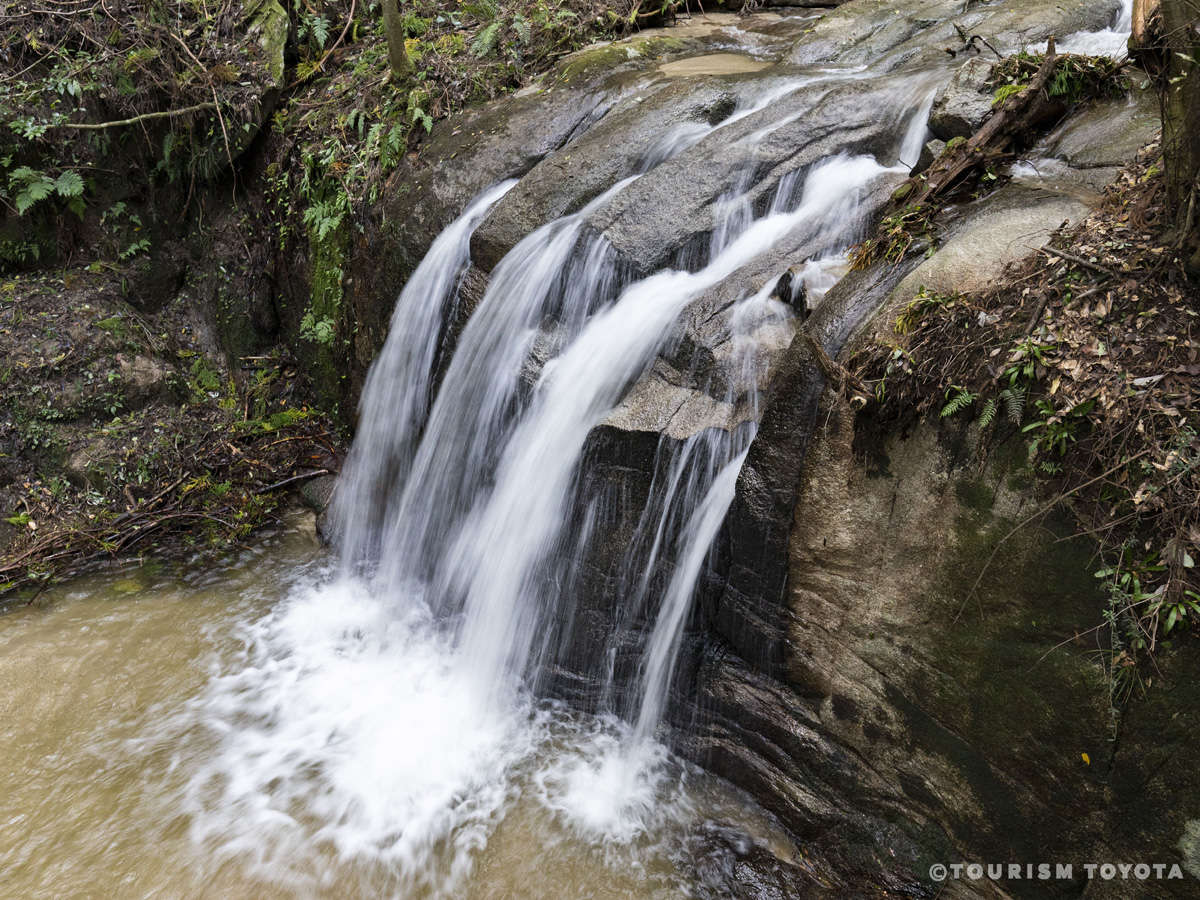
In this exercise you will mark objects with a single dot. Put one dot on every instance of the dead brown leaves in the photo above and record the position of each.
(1102, 341)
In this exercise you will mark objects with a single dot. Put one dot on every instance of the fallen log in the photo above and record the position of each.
(1019, 115)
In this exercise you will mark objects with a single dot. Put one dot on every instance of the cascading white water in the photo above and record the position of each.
(497, 556)
(663, 649)
(1111, 41)
(383, 716)
(396, 395)
(473, 412)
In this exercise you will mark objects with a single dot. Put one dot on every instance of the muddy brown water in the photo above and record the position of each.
(107, 700)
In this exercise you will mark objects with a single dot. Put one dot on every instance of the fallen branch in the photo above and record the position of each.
(838, 376)
(144, 117)
(993, 139)
(304, 477)
(1079, 261)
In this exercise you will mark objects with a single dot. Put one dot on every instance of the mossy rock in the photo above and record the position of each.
(595, 61)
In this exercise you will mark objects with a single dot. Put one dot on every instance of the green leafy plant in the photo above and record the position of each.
(29, 187)
(1027, 358)
(1011, 400)
(1128, 584)
(1076, 77)
(1056, 430)
(961, 399)
(124, 229)
(317, 330)
(920, 306)
(896, 234)
(325, 216)
(1175, 613)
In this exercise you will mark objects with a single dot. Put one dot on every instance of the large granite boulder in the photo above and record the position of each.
(936, 696)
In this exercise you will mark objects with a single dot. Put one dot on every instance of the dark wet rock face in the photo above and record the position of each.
(625, 142)
(725, 863)
(1109, 135)
(674, 206)
(906, 712)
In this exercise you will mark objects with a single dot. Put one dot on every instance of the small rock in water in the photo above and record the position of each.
(317, 492)
(792, 290)
(929, 153)
(964, 104)
(728, 863)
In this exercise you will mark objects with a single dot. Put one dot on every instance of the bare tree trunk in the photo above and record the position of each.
(1147, 24)
(398, 59)
(1180, 92)
(1146, 40)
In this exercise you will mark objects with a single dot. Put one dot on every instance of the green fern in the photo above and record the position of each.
(1014, 403)
(483, 10)
(69, 184)
(319, 28)
(392, 147)
(960, 401)
(419, 116)
(413, 25)
(988, 415)
(318, 331)
(286, 418)
(32, 187)
(356, 120)
(486, 40)
(1006, 91)
(324, 217)
(521, 26)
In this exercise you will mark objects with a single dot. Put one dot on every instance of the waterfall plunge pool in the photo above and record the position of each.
(255, 730)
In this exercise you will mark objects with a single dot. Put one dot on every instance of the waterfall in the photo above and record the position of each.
(662, 652)
(462, 519)
(491, 568)
(396, 395)
(390, 712)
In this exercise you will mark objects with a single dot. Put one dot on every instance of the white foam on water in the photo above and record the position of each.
(1111, 41)
(604, 799)
(343, 727)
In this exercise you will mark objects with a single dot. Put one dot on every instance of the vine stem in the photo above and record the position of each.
(164, 114)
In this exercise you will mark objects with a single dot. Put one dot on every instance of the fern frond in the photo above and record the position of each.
(1014, 403)
(989, 412)
(69, 184)
(320, 30)
(486, 40)
(961, 401)
(374, 137)
(521, 26)
(33, 193)
(483, 10)
(24, 176)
